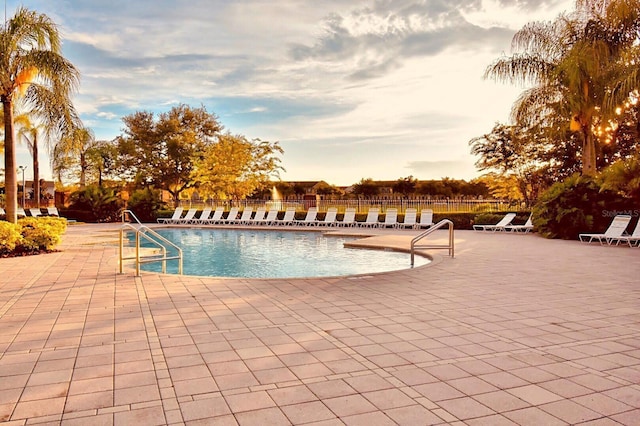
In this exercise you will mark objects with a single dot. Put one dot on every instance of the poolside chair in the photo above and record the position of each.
(176, 215)
(409, 221)
(528, 226)
(631, 239)
(500, 226)
(289, 217)
(258, 217)
(390, 219)
(204, 216)
(188, 218)
(20, 212)
(349, 218)
(244, 217)
(272, 217)
(426, 219)
(53, 211)
(309, 219)
(217, 215)
(329, 218)
(614, 231)
(372, 218)
(35, 212)
(2, 212)
(231, 216)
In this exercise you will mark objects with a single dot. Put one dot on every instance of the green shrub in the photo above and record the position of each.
(145, 204)
(9, 237)
(577, 205)
(42, 233)
(95, 204)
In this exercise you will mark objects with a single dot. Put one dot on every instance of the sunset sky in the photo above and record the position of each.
(351, 89)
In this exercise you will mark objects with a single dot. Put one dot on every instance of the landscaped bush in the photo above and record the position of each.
(41, 234)
(9, 237)
(31, 235)
(460, 220)
(95, 204)
(145, 204)
(577, 205)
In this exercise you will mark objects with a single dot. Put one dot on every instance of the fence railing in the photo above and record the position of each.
(362, 206)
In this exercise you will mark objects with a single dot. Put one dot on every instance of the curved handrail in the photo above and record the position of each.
(438, 225)
(141, 232)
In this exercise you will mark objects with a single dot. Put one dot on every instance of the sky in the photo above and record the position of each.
(351, 89)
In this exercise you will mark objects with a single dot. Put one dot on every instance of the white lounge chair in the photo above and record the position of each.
(257, 217)
(409, 220)
(614, 231)
(390, 218)
(271, 218)
(528, 226)
(35, 212)
(2, 212)
(349, 218)
(231, 216)
(329, 218)
(217, 215)
(631, 239)
(426, 219)
(372, 218)
(176, 215)
(204, 216)
(309, 218)
(53, 211)
(289, 217)
(20, 212)
(188, 218)
(500, 226)
(244, 217)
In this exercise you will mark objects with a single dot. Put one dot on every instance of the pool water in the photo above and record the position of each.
(274, 254)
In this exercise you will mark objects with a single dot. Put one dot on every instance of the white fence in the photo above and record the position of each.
(362, 206)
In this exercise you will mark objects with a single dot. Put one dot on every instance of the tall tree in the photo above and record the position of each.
(32, 68)
(161, 152)
(235, 167)
(572, 63)
(71, 152)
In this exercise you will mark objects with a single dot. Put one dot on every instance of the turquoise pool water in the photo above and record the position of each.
(274, 254)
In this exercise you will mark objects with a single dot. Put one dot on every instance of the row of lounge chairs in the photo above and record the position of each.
(616, 233)
(505, 225)
(34, 212)
(263, 217)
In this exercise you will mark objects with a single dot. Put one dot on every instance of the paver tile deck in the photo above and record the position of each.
(515, 329)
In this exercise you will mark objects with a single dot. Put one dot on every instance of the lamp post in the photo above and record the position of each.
(24, 189)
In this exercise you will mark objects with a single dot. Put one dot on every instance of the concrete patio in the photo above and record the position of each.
(515, 330)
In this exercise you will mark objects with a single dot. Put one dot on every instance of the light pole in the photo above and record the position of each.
(24, 189)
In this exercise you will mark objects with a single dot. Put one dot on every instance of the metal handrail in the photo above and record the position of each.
(438, 225)
(141, 231)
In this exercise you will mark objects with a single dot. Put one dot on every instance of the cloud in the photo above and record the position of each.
(461, 169)
(352, 89)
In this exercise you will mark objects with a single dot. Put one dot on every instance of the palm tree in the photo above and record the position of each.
(32, 68)
(72, 150)
(28, 131)
(573, 62)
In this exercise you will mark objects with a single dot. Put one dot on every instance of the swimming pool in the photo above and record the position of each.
(274, 254)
